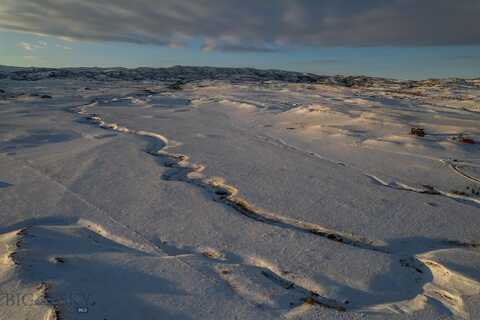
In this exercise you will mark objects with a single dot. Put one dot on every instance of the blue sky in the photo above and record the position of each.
(397, 62)
(399, 40)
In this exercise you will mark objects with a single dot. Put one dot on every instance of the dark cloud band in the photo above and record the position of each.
(247, 25)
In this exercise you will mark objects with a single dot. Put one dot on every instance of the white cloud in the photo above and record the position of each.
(25, 46)
(32, 46)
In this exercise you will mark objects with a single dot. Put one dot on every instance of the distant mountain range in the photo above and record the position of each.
(184, 74)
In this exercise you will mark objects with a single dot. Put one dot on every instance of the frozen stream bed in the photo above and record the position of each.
(239, 200)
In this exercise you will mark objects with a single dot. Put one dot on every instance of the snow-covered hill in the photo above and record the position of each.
(206, 193)
(187, 74)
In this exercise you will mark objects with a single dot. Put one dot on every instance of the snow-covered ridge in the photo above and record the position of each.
(191, 73)
(178, 73)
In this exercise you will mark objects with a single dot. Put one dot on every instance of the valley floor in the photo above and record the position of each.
(130, 200)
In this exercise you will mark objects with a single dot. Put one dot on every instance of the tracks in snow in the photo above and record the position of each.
(57, 250)
(425, 189)
(181, 169)
(456, 166)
